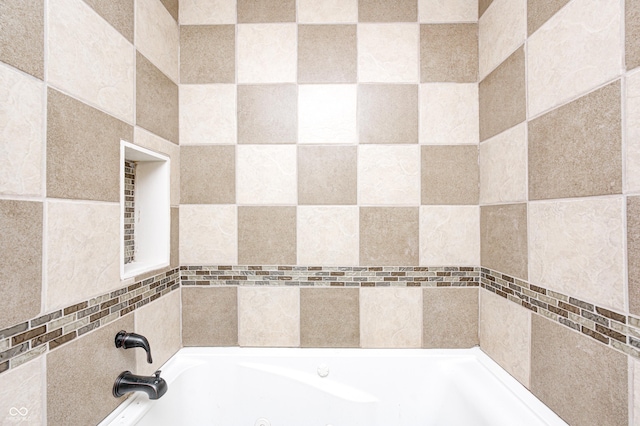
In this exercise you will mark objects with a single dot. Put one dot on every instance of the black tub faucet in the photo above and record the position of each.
(154, 386)
(132, 340)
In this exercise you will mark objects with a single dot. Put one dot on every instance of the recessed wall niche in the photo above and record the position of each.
(145, 218)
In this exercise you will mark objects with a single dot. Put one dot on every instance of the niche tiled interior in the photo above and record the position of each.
(478, 161)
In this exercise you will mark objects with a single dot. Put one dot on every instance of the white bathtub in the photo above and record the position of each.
(337, 387)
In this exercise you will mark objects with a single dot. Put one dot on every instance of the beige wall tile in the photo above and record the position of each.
(633, 254)
(390, 317)
(165, 340)
(635, 417)
(90, 59)
(500, 31)
(632, 33)
(21, 261)
(174, 256)
(389, 175)
(207, 54)
(450, 318)
(158, 36)
(21, 138)
(388, 113)
(156, 101)
(327, 113)
(327, 11)
(328, 235)
(503, 239)
(210, 316)
(449, 235)
(269, 316)
(575, 51)
(207, 12)
(120, 14)
(503, 167)
(155, 143)
(388, 53)
(70, 367)
(449, 114)
(266, 11)
(172, 7)
(632, 123)
(267, 114)
(78, 135)
(576, 150)
(502, 96)
(208, 114)
(505, 333)
(327, 175)
(449, 53)
(447, 11)
(21, 388)
(588, 236)
(329, 317)
(267, 53)
(449, 174)
(540, 11)
(266, 174)
(208, 235)
(267, 235)
(483, 5)
(389, 236)
(22, 35)
(83, 251)
(563, 361)
(327, 54)
(381, 11)
(208, 174)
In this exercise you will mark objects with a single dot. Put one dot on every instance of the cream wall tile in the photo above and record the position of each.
(88, 58)
(388, 53)
(327, 113)
(449, 235)
(636, 391)
(165, 340)
(389, 175)
(633, 133)
(268, 316)
(503, 167)
(449, 114)
(155, 143)
(327, 11)
(500, 31)
(390, 317)
(208, 235)
(83, 251)
(505, 334)
(21, 133)
(158, 36)
(21, 389)
(328, 235)
(576, 247)
(208, 114)
(207, 12)
(433, 11)
(266, 174)
(576, 50)
(267, 53)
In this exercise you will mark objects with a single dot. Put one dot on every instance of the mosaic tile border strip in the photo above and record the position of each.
(614, 329)
(327, 276)
(25, 341)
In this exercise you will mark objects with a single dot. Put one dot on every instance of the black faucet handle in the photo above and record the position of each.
(132, 340)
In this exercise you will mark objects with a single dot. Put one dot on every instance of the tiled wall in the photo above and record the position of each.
(558, 190)
(76, 77)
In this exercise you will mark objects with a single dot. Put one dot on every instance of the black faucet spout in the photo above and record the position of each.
(132, 340)
(154, 386)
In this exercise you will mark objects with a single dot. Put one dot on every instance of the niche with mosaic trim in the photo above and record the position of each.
(145, 215)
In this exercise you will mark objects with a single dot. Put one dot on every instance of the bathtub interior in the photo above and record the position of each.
(348, 387)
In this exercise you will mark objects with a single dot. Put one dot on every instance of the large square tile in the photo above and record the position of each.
(450, 318)
(22, 35)
(327, 54)
(329, 318)
(207, 54)
(632, 127)
(208, 114)
(388, 113)
(633, 253)
(450, 174)
(433, 11)
(207, 12)
(208, 174)
(328, 235)
(267, 53)
(266, 174)
(208, 235)
(269, 316)
(449, 235)
(267, 114)
(503, 239)
(389, 175)
(391, 317)
(157, 36)
(327, 113)
(388, 53)
(449, 113)
(327, 11)
(251, 11)
(385, 11)
(501, 30)
(267, 235)
(22, 387)
(448, 53)
(632, 33)
(210, 316)
(327, 175)
(389, 236)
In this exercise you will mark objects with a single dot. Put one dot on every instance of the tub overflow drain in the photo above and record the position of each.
(262, 422)
(323, 370)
